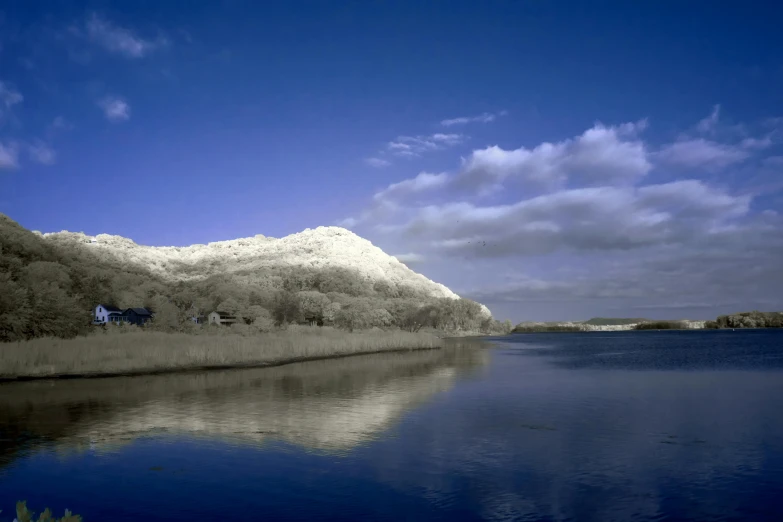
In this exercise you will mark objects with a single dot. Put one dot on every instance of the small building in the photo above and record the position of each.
(195, 316)
(223, 318)
(106, 313)
(313, 320)
(137, 316)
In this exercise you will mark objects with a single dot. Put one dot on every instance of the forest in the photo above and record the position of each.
(754, 319)
(49, 287)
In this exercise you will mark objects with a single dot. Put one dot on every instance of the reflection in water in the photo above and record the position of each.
(681, 426)
(329, 405)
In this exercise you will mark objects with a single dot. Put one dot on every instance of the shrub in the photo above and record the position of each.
(23, 514)
(312, 305)
(240, 329)
(286, 308)
(263, 321)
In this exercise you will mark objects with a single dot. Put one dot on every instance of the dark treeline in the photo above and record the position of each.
(49, 287)
(661, 325)
(754, 319)
(540, 328)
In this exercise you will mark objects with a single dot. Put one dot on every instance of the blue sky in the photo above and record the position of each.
(610, 158)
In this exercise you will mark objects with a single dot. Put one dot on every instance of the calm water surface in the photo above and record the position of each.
(598, 426)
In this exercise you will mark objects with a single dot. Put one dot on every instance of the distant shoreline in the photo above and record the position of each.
(644, 330)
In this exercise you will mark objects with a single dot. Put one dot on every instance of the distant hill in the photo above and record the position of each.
(62, 276)
(605, 321)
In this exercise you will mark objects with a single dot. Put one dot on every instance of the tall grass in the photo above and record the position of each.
(152, 352)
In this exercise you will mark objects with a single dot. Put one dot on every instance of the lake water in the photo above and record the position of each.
(594, 427)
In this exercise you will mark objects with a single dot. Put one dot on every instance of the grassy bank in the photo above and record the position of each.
(156, 352)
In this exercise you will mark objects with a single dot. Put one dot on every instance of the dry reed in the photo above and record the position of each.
(156, 352)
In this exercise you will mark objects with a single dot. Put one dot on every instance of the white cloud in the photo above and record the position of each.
(410, 258)
(727, 144)
(115, 108)
(709, 123)
(118, 39)
(42, 153)
(601, 154)
(447, 139)
(486, 117)
(756, 143)
(698, 152)
(60, 123)
(412, 146)
(348, 222)
(9, 156)
(377, 162)
(9, 96)
(586, 219)
(423, 182)
(386, 203)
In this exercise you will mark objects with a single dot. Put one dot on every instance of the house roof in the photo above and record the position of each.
(110, 308)
(115, 313)
(139, 311)
(225, 315)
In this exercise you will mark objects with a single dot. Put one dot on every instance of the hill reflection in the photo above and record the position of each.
(329, 405)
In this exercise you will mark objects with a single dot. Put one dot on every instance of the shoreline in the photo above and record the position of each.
(619, 331)
(152, 353)
(652, 330)
(204, 368)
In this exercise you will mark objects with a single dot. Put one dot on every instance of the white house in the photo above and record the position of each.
(107, 314)
(221, 318)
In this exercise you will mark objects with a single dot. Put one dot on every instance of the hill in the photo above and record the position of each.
(265, 261)
(326, 275)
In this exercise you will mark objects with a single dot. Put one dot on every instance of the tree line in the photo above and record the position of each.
(661, 325)
(754, 319)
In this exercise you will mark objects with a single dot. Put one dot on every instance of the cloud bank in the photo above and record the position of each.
(608, 219)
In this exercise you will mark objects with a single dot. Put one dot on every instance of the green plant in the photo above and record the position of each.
(23, 514)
